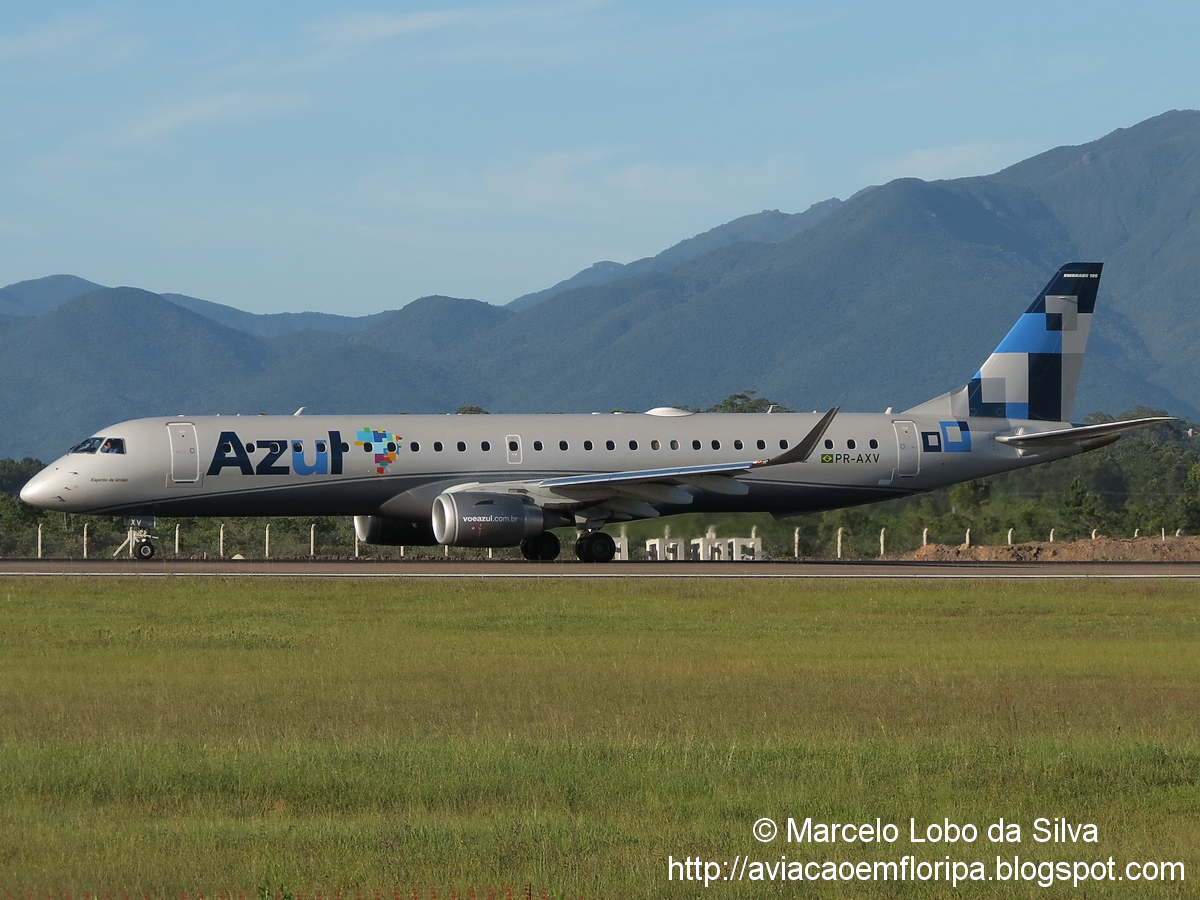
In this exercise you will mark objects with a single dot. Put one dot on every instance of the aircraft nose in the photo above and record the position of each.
(38, 490)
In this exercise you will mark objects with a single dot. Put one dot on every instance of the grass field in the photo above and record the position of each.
(237, 735)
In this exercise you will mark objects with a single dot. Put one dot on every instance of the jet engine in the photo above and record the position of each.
(393, 532)
(476, 519)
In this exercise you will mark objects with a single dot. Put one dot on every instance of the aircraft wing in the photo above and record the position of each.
(633, 491)
(1097, 434)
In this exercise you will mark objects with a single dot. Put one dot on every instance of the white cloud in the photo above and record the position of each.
(363, 28)
(216, 108)
(48, 40)
(954, 161)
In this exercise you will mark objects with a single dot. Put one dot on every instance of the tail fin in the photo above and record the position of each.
(1034, 372)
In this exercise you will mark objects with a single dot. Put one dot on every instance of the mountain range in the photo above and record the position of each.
(886, 299)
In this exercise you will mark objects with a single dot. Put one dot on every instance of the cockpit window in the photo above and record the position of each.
(91, 445)
(113, 445)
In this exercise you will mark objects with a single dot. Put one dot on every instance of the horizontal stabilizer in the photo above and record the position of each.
(1066, 436)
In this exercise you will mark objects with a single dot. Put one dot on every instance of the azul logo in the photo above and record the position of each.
(233, 452)
(383, 444)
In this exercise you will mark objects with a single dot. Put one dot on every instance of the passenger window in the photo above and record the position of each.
(227, 447)
(828, 444)
(674, 445)
(297, 446)
(716, 445)
(633, 445)
(414, 446)
(437, 446)
(783, 444)
(850, 444)
(874, 444)
(462, 447)
(737, 445)
(537, 445)
(321, 446)
(367, 446)
(485, 446)
(610, 445)
(250, 447)
(696, 445)
(762, 445)
(654, 445)
(345, 447)
(587, 445)
(562, 445)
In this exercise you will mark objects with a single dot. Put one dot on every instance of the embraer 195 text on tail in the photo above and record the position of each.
(500, 480)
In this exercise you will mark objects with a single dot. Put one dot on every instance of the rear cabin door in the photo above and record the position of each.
(908, 451)
(185, 453)
(513, 443)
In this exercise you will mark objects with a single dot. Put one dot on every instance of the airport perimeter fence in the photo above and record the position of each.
(66, 536)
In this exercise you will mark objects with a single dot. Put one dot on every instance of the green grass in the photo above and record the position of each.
(226, 735)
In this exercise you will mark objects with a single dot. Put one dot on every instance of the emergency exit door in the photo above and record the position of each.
(908, 450)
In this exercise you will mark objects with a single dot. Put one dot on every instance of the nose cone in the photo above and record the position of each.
(38, 491)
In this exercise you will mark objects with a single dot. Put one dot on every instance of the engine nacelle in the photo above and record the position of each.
(476, 519)
(393, 532)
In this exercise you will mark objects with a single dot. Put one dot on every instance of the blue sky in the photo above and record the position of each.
(353, 157)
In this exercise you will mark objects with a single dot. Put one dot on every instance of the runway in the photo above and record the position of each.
(795, 569)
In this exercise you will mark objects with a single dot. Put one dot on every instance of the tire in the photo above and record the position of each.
(541, 547)
(597, 547)
(143, 550)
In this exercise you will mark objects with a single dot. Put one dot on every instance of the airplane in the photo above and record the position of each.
(507, 480)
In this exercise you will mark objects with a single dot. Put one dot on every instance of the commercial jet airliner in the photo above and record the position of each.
(504, 480)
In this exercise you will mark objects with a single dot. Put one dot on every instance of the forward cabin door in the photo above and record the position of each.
(185, 454)
(908, 451)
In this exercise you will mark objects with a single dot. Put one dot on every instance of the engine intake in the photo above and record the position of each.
(477, 519)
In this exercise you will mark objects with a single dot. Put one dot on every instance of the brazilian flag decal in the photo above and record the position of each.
(826, 457)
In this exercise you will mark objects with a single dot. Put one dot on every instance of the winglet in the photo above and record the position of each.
(803, 450)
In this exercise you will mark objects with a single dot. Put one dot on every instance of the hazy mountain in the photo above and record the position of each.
(894, 296)
(274, 324)
(432, 326)
(39, 295)
(768, 227)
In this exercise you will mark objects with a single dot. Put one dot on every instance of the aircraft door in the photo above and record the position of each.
(185, 454)
(513, 442)
(908, 451)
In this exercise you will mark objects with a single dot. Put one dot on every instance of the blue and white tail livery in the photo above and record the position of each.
(504, 480)
(1034, 372)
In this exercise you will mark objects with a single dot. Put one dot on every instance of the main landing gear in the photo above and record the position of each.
(596, 547)
(541, 547)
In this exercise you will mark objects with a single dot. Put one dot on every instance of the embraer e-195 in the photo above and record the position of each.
(504, 480)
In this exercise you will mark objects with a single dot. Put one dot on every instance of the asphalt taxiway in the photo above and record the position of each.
(451, 568)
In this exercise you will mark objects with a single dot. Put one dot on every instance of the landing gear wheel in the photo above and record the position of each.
(596, 547)
(143, 550)
(541, 547)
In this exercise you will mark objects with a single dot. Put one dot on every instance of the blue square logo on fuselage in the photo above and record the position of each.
(956, 437)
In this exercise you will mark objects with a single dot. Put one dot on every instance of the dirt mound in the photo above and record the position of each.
(1148, 549)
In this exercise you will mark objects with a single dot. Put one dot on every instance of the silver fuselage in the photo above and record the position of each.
(316, 465)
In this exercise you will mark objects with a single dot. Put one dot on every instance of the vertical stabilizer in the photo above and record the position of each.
(1034, 372)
